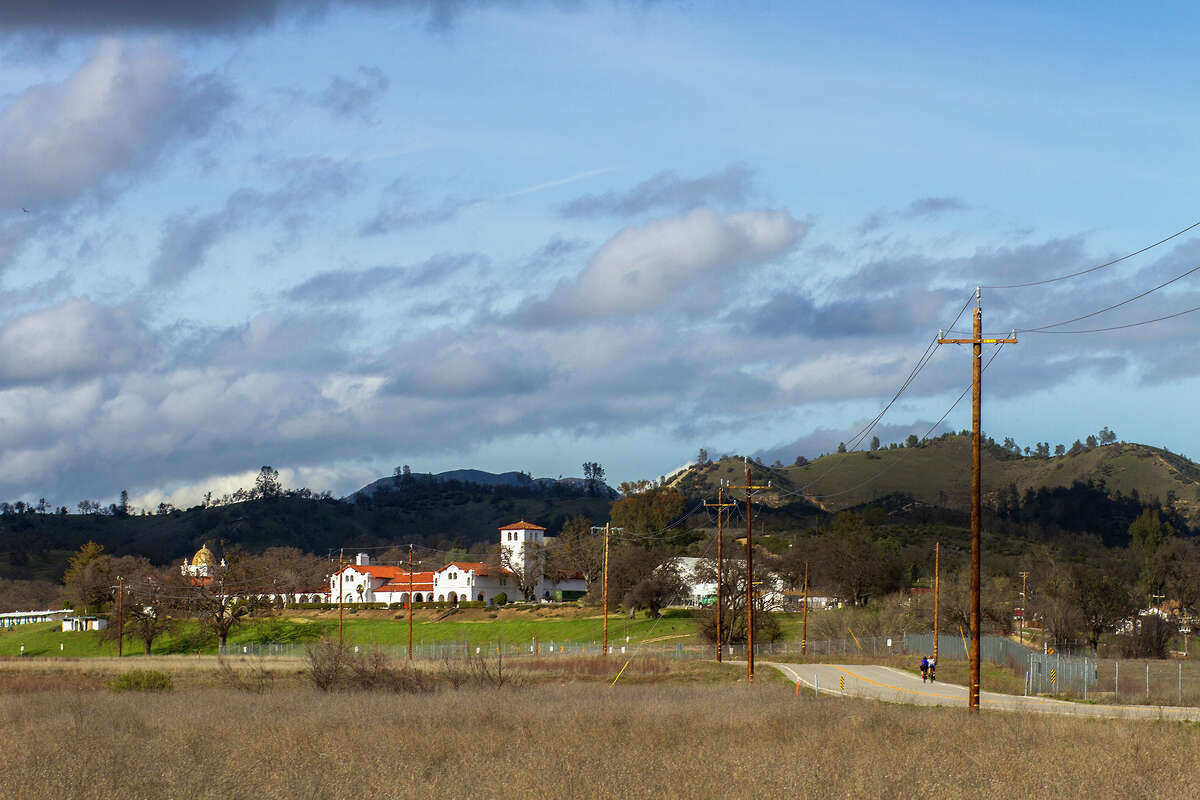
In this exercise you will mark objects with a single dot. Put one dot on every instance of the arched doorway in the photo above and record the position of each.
(453, 597)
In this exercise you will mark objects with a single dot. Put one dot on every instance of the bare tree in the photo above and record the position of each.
(153, 601)
(733, 605)
(526, 566)
(578, 549)
(223, 601)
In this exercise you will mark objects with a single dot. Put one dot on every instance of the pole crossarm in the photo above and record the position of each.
(1009, 340)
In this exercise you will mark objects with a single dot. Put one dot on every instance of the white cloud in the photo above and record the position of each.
(834, 375)
(646, 268)
(113, 115)
(76, 338)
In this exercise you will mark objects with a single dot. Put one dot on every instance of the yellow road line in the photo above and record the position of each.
(1015, 701)
(897, 688)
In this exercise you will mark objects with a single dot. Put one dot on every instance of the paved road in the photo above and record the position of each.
(897, 686)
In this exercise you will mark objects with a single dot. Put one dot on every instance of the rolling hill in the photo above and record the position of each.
(938, 473)
(1099, 490)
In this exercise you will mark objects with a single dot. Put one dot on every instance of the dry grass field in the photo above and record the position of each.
(567, 740)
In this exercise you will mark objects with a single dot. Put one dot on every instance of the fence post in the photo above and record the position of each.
(1180, 665)
(1147, 681)
(1116, 680)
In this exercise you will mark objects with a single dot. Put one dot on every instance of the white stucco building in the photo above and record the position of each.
(477, 581)
(524, 546)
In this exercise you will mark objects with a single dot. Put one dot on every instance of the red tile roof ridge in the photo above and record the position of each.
(522, 526)
(480, 567)
(379, 570)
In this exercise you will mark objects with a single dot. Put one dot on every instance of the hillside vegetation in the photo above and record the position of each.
(443, 514)
(938, 473)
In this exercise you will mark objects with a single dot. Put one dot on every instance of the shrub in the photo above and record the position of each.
(331, 668)
(140, 680)
(374, 671)
(500, 599)
(256, 679)
(477, 672)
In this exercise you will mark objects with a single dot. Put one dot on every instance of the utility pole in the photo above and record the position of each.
(120, 616)
(976, 341)
(607, 529)
(410, 602)
(604, 649)
(1024, 602)
(750, 488)
(804, 618)
(937, 592)
(720, 506)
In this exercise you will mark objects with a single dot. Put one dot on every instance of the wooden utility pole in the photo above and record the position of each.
(1024, 603)
(937, 591)
(976, 341)
(720, 506)
(750, 489)
(410, 602)
(804, 617)
(607, 529)
(120, 616)
(604, 649)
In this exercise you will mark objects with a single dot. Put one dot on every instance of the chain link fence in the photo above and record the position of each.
(1045, 673)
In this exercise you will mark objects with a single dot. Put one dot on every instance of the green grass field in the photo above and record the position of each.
(472, 628)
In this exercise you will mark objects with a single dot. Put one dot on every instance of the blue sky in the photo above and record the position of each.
(336, 237)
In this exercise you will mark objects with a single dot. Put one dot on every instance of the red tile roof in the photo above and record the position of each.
(522, 526)
(466, 566)
(379, 570)
(395, 579)
(421, 582)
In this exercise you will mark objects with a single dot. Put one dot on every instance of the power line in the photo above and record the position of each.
(1113, 306)
(902, 457)
(1046, 328)
(1127, 325)
(855, 441)
(1098, 266)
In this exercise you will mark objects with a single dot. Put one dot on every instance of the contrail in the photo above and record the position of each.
(550, 184)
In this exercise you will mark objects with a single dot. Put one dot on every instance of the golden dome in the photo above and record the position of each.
(204, 557)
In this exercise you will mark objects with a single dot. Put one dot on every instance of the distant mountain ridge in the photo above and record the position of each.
(480, 478)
